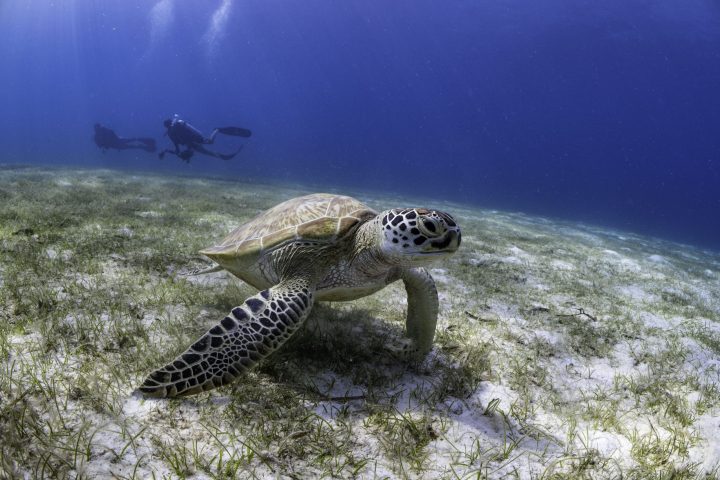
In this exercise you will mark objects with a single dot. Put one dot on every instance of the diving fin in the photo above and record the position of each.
(229, 156)
(235, 131)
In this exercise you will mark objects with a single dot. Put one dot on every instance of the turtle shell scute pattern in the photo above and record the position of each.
(319, 217)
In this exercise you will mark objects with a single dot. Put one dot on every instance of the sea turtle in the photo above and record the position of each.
(315, 247)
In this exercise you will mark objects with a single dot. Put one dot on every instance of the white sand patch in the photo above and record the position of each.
(702, 361)
(69, 320)
(84, 280)
(574, 233)
(622, 263)
(121, 443)
(479, 432)
(467, 437)
(505, 313)
(480, 260)
(707, 296)
(658, 259)
(489, 391)
(125, 232)
(63, 183)
(655, 321)
(464, 426)
(579, 380)
(562, 265)
(208, 279)
(603, 371)
(630, 265)
(338, 389)
(149, 214)
(550, 337)
(111, 270)
(472, 240)
(92, 227)
(519, 252)
(53, 254)
(561, 302)
(19, 341)
(609, 444)
(711, 325)
(707, 452)
(511, 260)
(636, 293)
(450, 287)
(441, 275)
(686, 254)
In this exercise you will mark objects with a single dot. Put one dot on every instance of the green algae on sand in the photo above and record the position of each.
(562, 350)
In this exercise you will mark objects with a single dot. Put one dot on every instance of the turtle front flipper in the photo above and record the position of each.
(422, 300)
(250, 332)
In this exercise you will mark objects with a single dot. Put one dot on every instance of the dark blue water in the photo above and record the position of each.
(606, 112)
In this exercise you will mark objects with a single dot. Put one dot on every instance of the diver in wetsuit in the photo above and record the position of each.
(182, 133)
(106, 138)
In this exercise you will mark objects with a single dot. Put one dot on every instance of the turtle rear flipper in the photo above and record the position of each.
(203, 271)
(249, 333)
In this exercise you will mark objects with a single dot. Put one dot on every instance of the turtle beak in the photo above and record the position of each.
(449, 243)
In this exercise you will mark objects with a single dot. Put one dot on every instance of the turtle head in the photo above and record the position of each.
(417, 236)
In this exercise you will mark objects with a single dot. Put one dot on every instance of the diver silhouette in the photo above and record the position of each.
(182, 133)
(106, 138)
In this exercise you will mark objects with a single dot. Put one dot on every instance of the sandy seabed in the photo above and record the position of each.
(562, 350)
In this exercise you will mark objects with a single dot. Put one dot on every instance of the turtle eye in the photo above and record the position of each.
(429, 227)
(448, 219)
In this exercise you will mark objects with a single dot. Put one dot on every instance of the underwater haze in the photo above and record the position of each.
(605, 112)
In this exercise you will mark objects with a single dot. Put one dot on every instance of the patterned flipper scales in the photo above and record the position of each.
(249, 333)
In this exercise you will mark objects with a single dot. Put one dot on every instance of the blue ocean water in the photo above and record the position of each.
(606, 112)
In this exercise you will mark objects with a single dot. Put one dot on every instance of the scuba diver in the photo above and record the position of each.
(106, 138)
(182, 133)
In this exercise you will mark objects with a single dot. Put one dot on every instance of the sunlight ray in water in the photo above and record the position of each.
(216, 28)
(161, 20)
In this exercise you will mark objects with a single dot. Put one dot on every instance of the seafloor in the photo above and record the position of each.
(562, 350)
